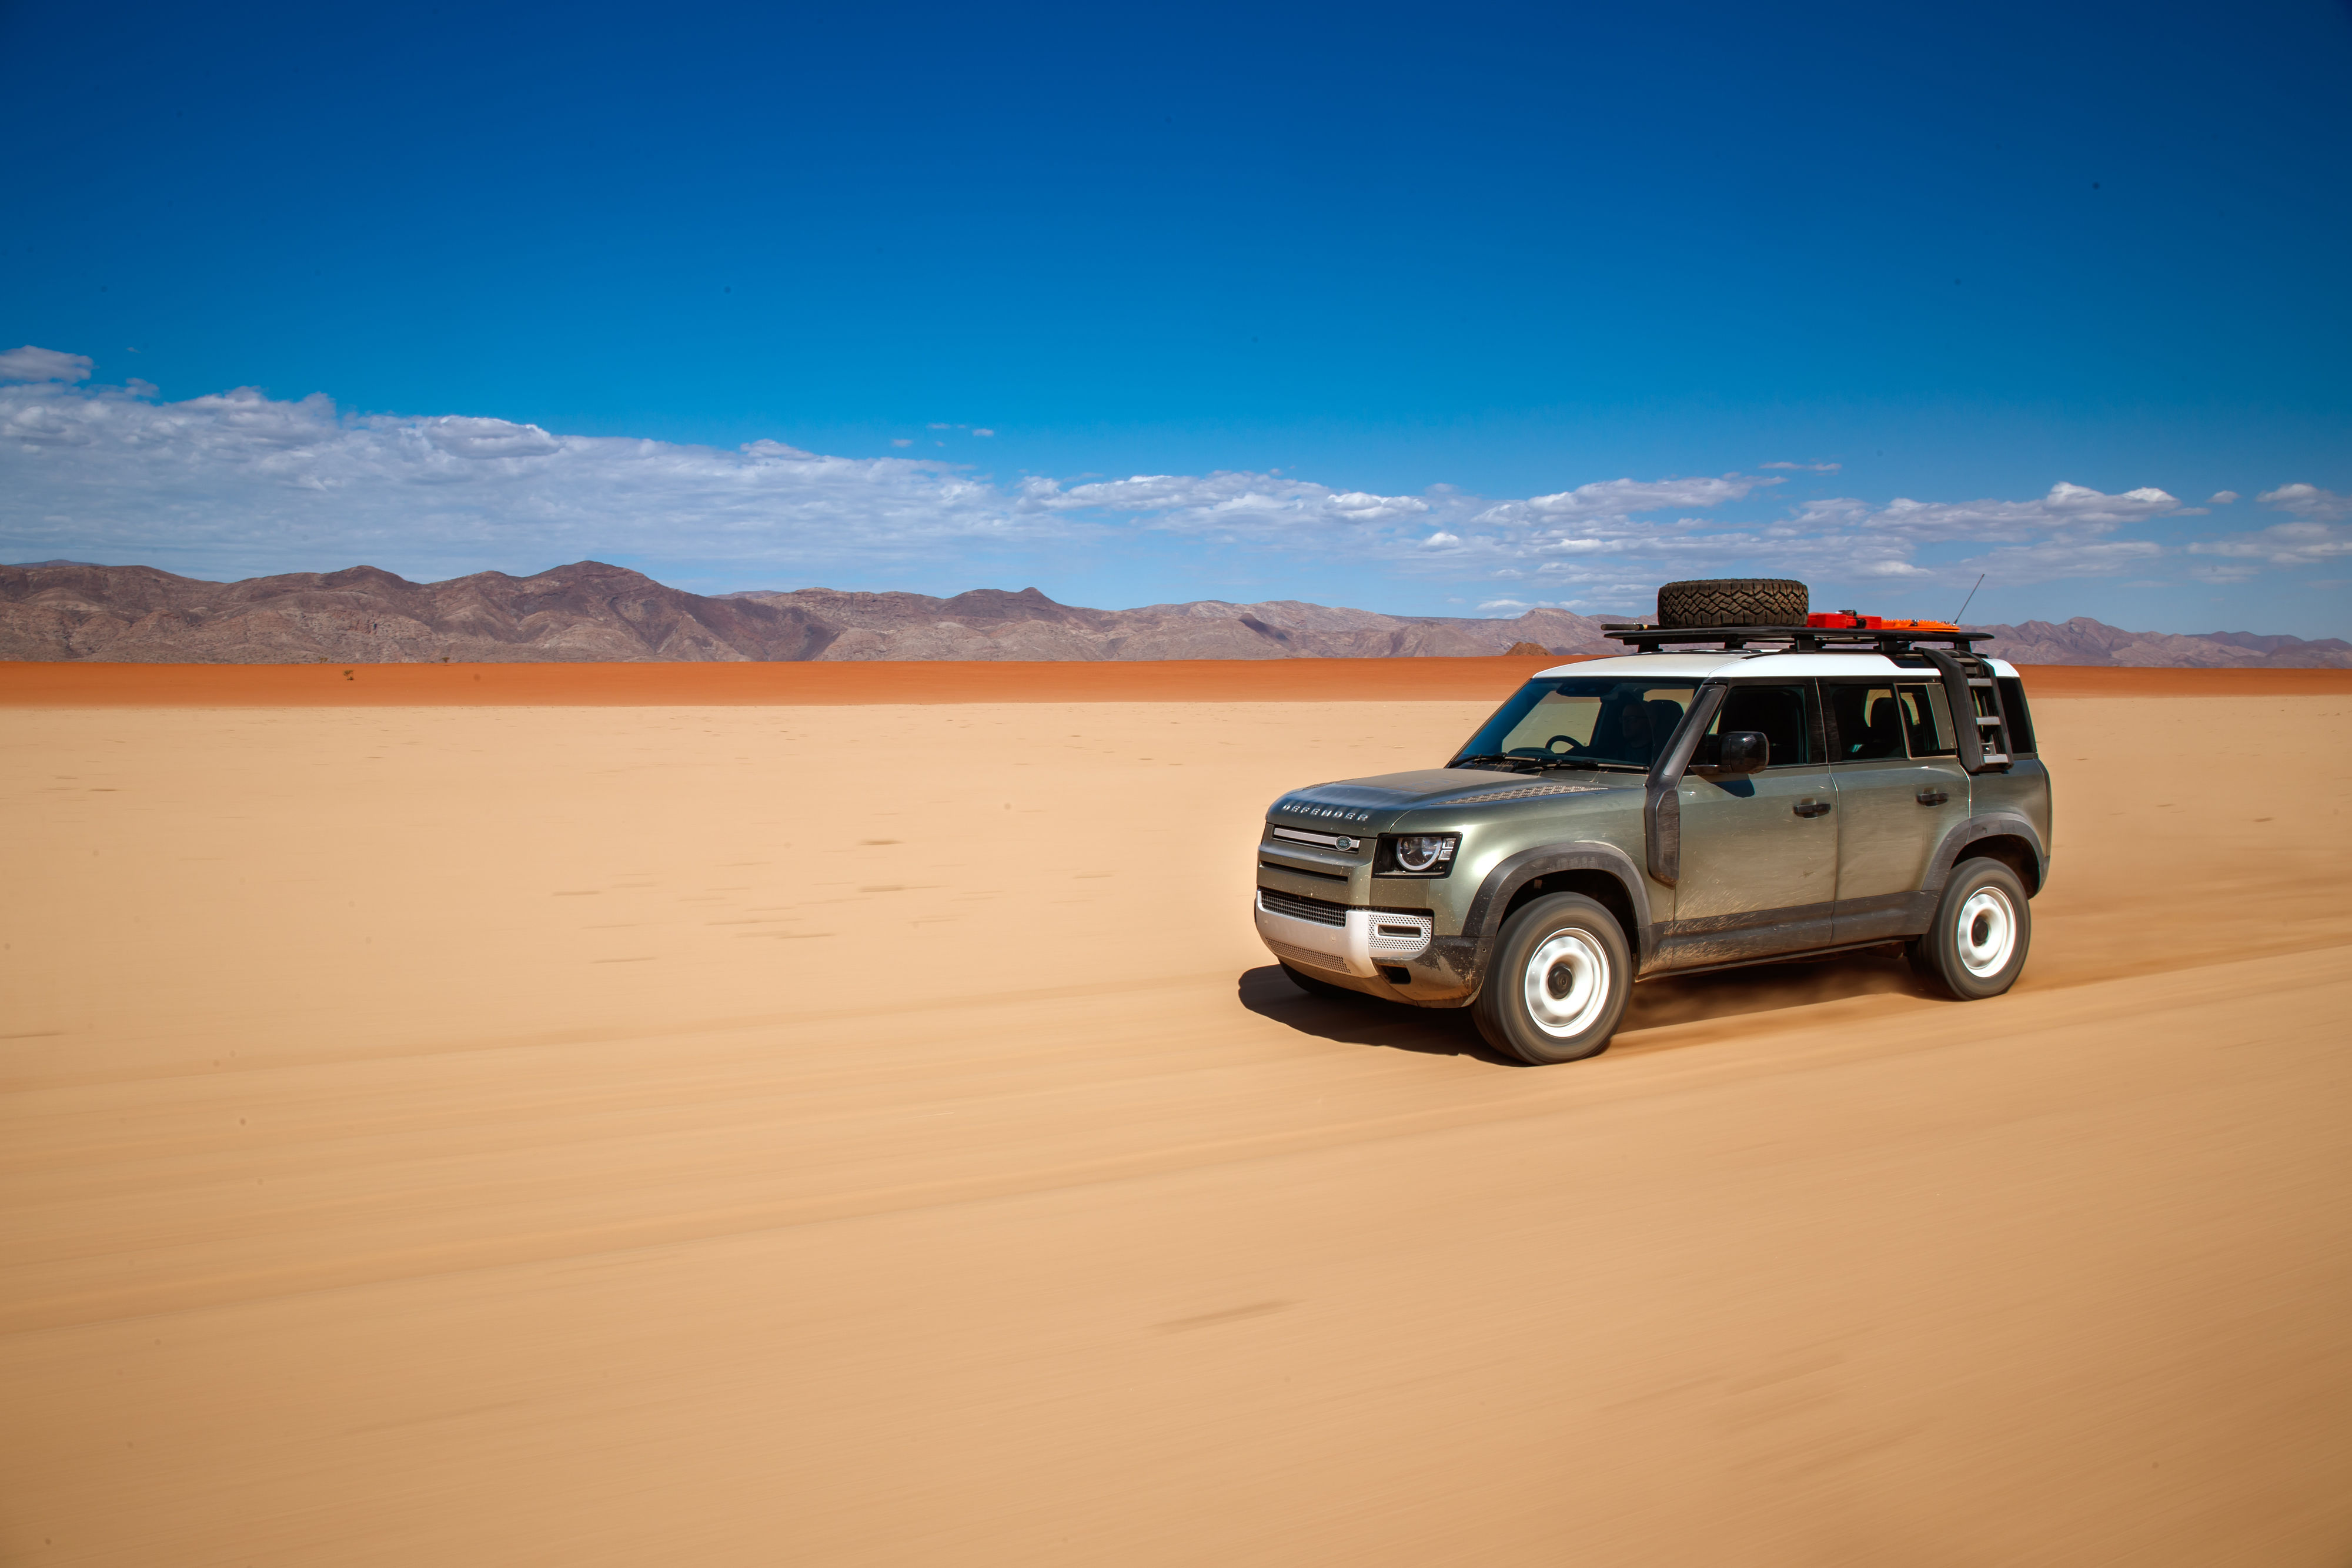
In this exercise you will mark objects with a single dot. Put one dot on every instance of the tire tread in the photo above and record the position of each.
(1734, 602)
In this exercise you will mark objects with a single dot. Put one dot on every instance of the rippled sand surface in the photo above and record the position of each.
(872, 1135)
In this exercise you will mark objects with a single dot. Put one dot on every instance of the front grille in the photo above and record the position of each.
(1327, 841)
(1307, 960)
(1278, 902)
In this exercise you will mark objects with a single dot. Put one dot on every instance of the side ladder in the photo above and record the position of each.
(1974, 694)
(1992, 718)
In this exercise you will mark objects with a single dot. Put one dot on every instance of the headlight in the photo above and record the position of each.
(1418, 854)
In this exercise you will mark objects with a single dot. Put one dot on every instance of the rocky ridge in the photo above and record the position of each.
(592, 611)
(589, 611)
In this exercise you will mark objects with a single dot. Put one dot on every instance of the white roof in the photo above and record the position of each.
(1754, 666)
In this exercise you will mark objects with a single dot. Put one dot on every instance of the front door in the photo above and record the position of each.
(1759, 852)
(1900, 789)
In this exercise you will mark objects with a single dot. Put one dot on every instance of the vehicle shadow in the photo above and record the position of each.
(1724, 997)
(1365, 1020)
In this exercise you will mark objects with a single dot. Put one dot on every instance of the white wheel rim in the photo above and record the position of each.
(1986, 934)
(1566, 983)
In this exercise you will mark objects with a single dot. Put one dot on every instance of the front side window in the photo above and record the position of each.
(1590, 723)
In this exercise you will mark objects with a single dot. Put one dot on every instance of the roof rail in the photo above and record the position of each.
(1648, 638)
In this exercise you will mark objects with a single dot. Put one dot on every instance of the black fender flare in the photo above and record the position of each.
(1990, 825)
(1485, 916)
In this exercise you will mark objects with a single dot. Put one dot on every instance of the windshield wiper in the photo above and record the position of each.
(1589, 762)
(1496, 758)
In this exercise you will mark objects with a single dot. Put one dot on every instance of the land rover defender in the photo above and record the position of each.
(1751, 783)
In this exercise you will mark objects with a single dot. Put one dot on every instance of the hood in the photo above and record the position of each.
(1361, 799)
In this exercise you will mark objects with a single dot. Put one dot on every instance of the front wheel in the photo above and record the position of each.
(1983, 925)
(1556, 987)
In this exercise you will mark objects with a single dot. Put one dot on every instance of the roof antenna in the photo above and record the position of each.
(1963, 610)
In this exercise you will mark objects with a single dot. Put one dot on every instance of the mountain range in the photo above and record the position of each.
(52, 611)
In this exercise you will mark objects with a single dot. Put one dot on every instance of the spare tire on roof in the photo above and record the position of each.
(1734, 602)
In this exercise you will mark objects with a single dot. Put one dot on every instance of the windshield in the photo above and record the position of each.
(1568, 722)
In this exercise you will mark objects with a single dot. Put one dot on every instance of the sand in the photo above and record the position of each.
(872, 1135)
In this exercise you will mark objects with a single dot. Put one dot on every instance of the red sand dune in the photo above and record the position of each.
(811, 684)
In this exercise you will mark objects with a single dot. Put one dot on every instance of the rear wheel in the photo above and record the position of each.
(1556, 987)
(1734, 602)
(1983, 927)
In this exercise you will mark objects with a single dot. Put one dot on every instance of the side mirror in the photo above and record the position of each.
(1743, 751)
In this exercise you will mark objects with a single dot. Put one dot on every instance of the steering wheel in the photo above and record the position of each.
(1573, 745)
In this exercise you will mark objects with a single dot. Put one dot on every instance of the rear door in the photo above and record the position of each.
(1900, 789)
(1760, 853)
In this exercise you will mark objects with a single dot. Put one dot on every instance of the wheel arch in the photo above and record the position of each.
(1603, 872)
(2006, 837)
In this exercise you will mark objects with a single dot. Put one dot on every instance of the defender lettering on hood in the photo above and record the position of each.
(1360, 799)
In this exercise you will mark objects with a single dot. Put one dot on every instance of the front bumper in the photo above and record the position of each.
(1337, 939)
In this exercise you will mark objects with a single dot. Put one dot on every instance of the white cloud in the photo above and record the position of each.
(2318, 536)
(2308, 501)
(31, 364)
(2284, 544)
(238, 481)
(1624, 497)
(1807, 468)
(2063, 533)
(2221, 497)
(1225, 500)
(978, 431)
(2074, 506)
(2062, 557)
(902, 441)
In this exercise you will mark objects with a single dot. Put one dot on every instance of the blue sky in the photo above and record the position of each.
(1421, 310)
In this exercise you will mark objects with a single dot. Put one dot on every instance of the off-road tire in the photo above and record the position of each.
(1734, 602)
(1983, 927)
(1571, 951)
(1315, 987)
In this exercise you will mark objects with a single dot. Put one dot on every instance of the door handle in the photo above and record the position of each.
(1811, 808)
(1932, 797)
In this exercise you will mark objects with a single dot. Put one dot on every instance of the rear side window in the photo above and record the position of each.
(1778, 713)
(1928, 720)
(1865, 723)
(2020, 718)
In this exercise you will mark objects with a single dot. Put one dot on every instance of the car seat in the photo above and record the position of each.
(1883, 737)
(1665, 715)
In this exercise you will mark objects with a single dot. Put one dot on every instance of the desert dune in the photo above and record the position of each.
(840, 1113)
(787, 683)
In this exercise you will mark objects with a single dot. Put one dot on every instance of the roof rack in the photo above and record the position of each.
(1650, 638)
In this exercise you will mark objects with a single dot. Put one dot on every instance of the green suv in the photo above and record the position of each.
(1725, 795)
